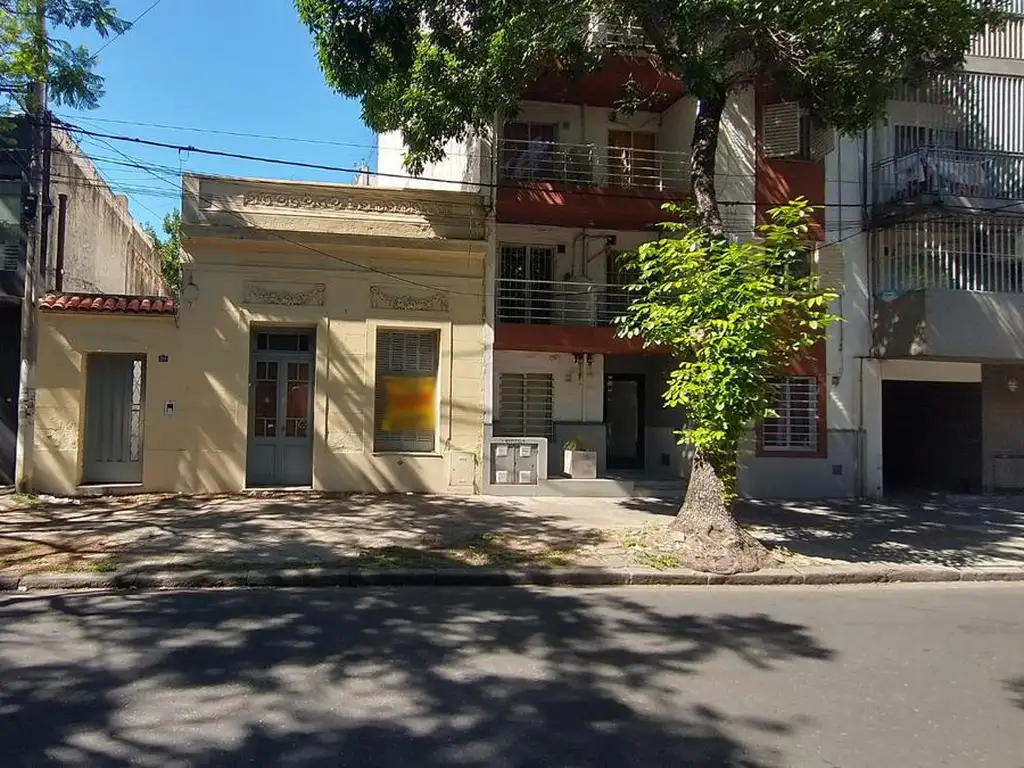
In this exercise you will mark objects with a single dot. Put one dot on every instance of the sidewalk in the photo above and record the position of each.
(309, 538)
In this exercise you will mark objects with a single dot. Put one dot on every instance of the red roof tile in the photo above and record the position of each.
(125, 305)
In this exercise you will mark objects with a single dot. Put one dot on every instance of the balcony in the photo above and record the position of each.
(619, 34)
(587, 185)
(561, 316)
(957, 295)
(956, 178)
(590, 165)
(549, 302)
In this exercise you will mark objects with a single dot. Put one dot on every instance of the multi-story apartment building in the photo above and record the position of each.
(943, 407)
(91, 244)
(920, 235)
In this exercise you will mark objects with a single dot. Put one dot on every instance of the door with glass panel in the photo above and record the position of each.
(280, 445)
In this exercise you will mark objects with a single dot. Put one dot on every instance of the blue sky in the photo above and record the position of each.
(243, 66)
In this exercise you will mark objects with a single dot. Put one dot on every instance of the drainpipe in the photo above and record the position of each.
(62, 220)
(490, 291)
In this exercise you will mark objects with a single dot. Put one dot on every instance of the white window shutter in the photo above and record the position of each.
(780, 133)
(823, 141)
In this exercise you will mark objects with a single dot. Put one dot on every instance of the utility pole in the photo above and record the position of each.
(39, 118)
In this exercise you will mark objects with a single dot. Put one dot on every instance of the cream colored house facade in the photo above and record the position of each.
(328, 337)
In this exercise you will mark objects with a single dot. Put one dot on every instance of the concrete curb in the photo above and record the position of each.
(493, 577)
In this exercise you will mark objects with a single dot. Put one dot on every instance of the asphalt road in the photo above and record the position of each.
(875, 676)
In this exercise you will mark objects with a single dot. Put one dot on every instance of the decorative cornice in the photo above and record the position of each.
(286, 294)
(383, 299)
(361, 202)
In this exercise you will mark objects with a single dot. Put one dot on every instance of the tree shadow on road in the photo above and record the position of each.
(380, 678)
(1015, 687)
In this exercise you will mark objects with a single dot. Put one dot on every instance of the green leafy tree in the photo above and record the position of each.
(440, 69)
(733, 315)
(169, 248)
(27, 55)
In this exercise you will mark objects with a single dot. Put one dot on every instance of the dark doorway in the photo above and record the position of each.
(931, 437)
(624, 420)
(10, 362)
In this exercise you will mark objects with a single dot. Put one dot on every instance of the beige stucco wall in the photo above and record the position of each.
(248, 278)
(65, 341)
(106, 251)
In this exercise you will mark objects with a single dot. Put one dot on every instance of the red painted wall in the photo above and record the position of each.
(565, 338)
(561, 205)
(779, 181)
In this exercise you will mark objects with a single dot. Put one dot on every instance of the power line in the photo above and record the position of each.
(131, 25)
(356, 171)
(237, 134)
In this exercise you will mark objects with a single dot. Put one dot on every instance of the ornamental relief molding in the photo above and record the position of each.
(286, 294)
(361, 202)
(380, 298)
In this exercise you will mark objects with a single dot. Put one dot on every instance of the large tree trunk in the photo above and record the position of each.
(702, 158)
(707, 536)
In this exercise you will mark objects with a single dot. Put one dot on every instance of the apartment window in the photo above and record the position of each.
(633, 160)
(526, 291)
(789, 131)
(525, 404)
(405, 392)
(528, 151)
(796, 426)
(911, 137)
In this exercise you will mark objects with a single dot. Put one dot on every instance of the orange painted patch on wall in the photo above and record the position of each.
(409, 404)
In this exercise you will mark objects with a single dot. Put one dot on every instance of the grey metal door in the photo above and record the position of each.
(280, 445)
(114, 398)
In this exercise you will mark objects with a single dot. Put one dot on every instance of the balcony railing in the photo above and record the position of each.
(550, 302)
(980, 255)
(950, 173)
(590, 165)
(625, 34)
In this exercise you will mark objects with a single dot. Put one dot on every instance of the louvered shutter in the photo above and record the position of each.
(412, 354)
(525, 405)
(823, 141)
(780, 134)
(10, 257)
(829, 263)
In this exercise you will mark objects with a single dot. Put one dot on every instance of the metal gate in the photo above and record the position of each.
(113, 419)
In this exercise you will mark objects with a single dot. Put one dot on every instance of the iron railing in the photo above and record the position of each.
(982, 256)
(551, 302)
(591, 165)
(950, 172)
(626, 34)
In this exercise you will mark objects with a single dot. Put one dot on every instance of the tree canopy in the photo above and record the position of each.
(437, 70)
(169, 247)
(733, 315)
(68, 70)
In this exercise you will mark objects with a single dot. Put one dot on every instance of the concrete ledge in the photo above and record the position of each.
(9, 583)
(992, 574)
(774, 576)
(67, 581)
(651, 577)
(924, 573)
(497, 577)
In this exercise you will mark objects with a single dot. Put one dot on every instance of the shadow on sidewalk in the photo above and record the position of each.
(369, 678)
(297, 529)
(956, 532)
(951, 532)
